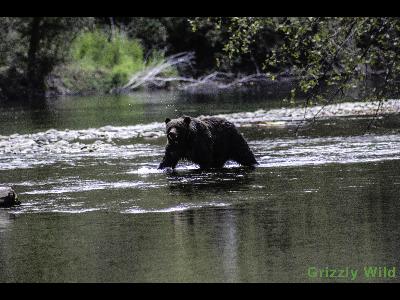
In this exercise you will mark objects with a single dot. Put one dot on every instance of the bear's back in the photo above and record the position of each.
(219, 127)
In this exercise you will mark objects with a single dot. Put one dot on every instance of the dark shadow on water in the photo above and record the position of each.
(41, 115)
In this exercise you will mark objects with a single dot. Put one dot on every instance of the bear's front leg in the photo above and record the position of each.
(167, 163)
(170, 159)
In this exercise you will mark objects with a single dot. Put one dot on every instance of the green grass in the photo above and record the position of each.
(98, 64)
(117, 59)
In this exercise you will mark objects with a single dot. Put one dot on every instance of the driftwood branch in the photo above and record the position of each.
(152, 76)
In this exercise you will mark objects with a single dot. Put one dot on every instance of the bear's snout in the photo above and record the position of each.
(172, 135)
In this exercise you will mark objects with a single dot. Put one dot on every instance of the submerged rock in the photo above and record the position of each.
(8, 197)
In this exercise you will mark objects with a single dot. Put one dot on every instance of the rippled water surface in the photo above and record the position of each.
(95, 208)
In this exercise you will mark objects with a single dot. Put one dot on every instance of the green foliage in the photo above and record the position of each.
(100, 62)
(239, 44)
(31, 47)
(150, 31)
(329, 56)
(343, 54)
(118, 57)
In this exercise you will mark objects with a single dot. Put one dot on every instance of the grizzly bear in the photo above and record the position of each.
(208, 142)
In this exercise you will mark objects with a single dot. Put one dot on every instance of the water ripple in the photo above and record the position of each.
(182, 207)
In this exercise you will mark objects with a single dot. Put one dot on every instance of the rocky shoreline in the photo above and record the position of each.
(346, 109)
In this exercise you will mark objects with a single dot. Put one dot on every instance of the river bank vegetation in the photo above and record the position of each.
(323, 58)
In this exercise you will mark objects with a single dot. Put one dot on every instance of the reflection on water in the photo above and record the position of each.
(5, 220)
(95, 208)
(216, 181)
(123, 110)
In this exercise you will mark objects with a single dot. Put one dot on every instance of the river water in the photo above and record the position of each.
(96, 209)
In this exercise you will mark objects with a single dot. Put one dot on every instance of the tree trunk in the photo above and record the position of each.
(112, 29)
(35, 80)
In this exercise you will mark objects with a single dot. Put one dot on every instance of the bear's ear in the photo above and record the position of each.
(167, 120)
(186, 120)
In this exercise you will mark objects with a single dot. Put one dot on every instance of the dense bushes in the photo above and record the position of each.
(31, 47)
(99, 61)
(116, 56)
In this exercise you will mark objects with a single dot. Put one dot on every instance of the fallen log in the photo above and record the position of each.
(152, 76)
(8, 197)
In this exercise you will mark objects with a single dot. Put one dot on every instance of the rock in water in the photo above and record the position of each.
(8, 197)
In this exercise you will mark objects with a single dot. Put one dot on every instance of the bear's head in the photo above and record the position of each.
(177, 129)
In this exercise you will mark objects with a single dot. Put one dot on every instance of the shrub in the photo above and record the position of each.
(118, 57)
(98, 63)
